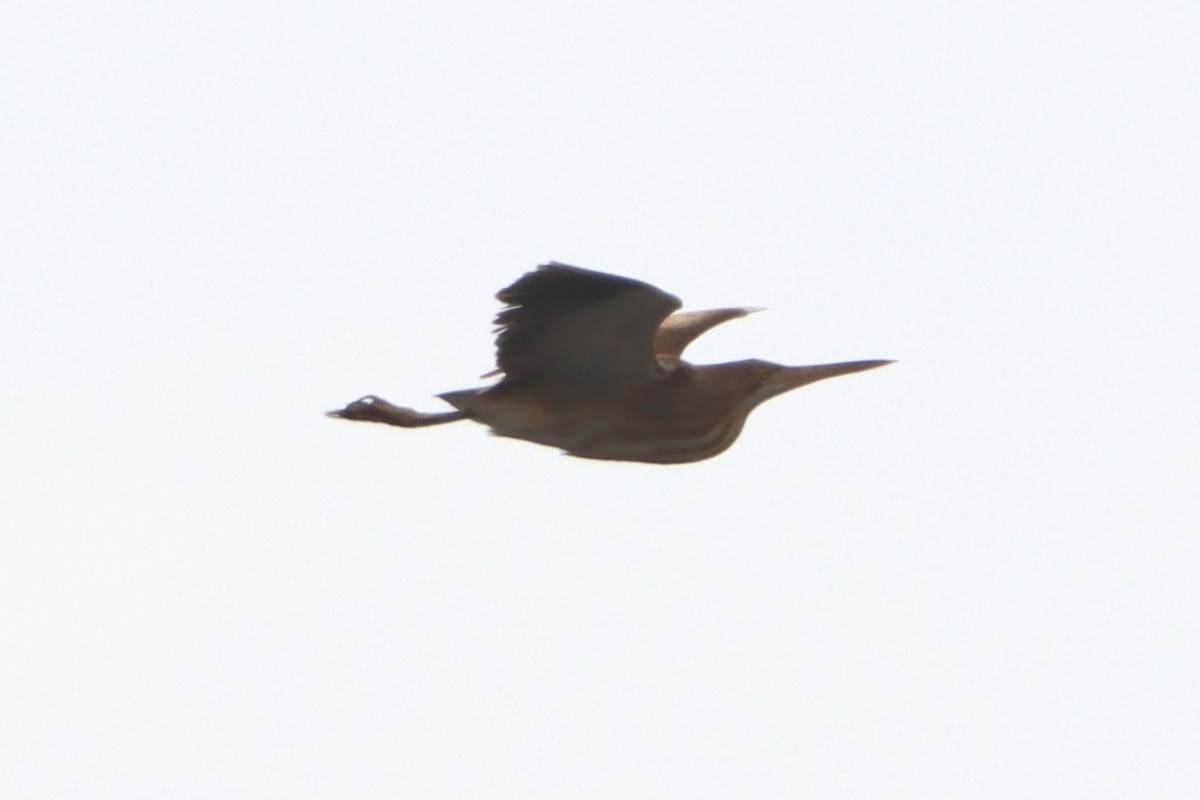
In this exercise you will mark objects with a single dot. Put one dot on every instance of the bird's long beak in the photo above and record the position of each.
(795, 377)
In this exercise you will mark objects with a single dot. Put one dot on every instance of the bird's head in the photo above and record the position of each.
(756, 380)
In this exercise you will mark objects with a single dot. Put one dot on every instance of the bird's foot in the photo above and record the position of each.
(375, 409)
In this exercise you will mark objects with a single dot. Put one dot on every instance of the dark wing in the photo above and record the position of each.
(678, 330)
(569, 324)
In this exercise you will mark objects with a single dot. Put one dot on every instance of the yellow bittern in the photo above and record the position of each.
(591, 365)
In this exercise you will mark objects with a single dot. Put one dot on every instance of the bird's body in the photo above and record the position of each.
(665, 421)
(592, 366)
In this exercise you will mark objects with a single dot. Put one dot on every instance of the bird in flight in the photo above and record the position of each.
(591, 365)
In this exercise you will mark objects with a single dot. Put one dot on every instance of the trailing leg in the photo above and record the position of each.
(376, 409)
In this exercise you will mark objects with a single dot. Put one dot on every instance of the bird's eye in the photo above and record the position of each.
(762, 373)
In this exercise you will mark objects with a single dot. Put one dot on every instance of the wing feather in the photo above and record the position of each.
(569, 324)
(678, 330)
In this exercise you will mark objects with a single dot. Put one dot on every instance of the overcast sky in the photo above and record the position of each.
(972, 574)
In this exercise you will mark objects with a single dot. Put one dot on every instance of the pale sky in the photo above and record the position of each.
(972, 574)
